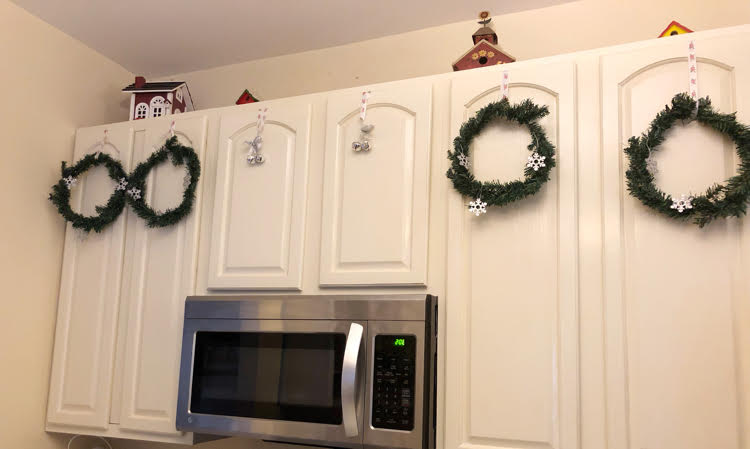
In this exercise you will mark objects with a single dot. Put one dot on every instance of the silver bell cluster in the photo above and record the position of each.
(254, 156)
(363, 144)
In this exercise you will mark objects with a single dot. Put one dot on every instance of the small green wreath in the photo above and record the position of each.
(108, 213)
(536, 171)
(720, 200)
(180, 155)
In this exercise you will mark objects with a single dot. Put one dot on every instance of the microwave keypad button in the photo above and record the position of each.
(393, 389)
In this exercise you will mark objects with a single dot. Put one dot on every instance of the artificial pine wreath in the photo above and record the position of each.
(129, 188)
(720, 200)
(536, 171)
(108, 213)
(180, 155)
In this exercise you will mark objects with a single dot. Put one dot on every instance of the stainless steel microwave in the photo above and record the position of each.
(335, 371)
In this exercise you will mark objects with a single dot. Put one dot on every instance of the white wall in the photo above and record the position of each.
(50, 84)
(580, 25)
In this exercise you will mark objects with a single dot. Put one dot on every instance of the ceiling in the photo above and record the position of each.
(163, 37)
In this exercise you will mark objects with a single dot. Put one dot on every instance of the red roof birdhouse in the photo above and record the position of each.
(246, 97)
(157, 99)
(486, 51)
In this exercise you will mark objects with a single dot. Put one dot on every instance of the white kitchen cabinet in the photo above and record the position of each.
(258, 228)
(116, 357)
(574, 319)
(160, 266)
(376, 203)
(512, 346)
(87, 312)
(676, 297)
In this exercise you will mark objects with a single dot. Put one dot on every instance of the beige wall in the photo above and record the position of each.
(559, 29)
(50, 84)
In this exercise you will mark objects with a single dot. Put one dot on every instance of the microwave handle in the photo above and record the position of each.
(349, 380)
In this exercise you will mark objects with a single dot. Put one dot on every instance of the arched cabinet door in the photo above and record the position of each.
(257, 235)
(376, 202)
(512, 371)
(87, 312)
(160, 271)
(676, 296)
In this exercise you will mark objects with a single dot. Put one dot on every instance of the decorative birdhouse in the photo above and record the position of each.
(486, 51)
(158, 99)
(675, 28)
(246, 97)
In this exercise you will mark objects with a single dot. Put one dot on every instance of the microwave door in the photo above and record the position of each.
(283, 380)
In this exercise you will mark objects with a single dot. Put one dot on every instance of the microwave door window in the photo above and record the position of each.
(278, 376)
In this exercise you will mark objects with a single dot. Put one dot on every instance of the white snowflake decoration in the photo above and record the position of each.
(135, 193)
(685, 202)
(463, 160)
(478, 207)
(122, 184)
(536, 161)
(186, 181)
(70, 181)
(651, 166)
(718, 196)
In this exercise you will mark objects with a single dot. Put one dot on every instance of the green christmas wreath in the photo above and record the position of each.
(495, 193)
(720, 200)
(108, 213)
(180, 155)
(130, 189)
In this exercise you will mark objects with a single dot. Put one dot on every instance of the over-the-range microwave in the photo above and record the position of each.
(343, 371)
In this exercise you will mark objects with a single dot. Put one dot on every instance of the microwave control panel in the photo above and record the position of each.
(393, 382)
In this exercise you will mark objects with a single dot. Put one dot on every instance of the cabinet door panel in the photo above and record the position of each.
(81, 376)
(376, 203)
(161, 269)
(512, 358)
(259, 210)
(676, 296)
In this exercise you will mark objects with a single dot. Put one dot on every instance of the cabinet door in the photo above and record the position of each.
(160, 270)
(512, 356)
(676, 296)
(376, 203)
(87, 312)
(259, 210)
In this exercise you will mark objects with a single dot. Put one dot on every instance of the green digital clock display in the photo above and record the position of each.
(399, 342)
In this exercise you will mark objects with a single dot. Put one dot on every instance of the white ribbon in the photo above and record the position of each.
(363, 108)
(261, 120)
(692, 71)
(171, 129)
(504, 86)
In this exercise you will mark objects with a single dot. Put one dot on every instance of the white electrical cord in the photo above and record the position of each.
(94, 436)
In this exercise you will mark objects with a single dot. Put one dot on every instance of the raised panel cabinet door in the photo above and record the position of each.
(259, 213)
(676, 296)
(376, 202)
(512, 371)
(160, 270)
(88, 305)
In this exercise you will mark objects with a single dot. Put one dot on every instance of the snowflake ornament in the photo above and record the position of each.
(478, 207)
(135, 193)
(186, 181)
(651, 166)
(463, 160)
(685, 202)
(721, 195)
(536, 161)
(70, 181)
(122, 184)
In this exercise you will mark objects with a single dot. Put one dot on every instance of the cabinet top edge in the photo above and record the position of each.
(449, 76)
